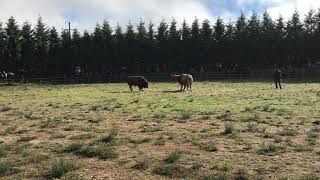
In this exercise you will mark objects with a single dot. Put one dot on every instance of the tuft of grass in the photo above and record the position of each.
(226, 116)
(196, 166)
(82, 136)
(268, 108)
(74, 147)
(86, 151)
(270, 150)
(26, 138)
(151, 129)
(277, 139)
(5, 108)
(303, 148)
(254, 118)
(141, 164)
(228, 128)
(58, 168)
(160, 141)
(5, 168)
(171, 170)
(57, 136)
(217, 176)
(139, 140)
(310, 177)
(241, 174)
(185, 115)
(210, 147)
(173, 157)
(4, 148)
(225, 168)
(252, 127)
(111, 137)
(51, 122)
(316, 122)
(10, 130)
(36, 158)
(159, 115)
(288, 132)
(105, 151)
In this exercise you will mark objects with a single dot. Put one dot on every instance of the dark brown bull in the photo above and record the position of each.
(139, 81)
(185, 80)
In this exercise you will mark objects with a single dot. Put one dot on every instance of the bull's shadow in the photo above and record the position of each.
(172, 91)
(124, 92)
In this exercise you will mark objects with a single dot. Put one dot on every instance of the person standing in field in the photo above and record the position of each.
(277, 76)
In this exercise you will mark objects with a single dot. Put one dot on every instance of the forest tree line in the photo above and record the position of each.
(255, 41)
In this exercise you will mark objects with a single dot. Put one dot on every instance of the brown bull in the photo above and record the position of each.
(185, 80)
(139, 81)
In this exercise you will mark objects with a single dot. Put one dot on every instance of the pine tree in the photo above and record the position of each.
(98, 36)
(195, 30)
(253, 27)
(130, 35)
(65, 39)
(310, 24)
(13, 47)
(75, 44)
(241, 26)
(106, 32)
(2, 47)
(41, 37)
(174, 34)
(219, 30)
(206, 31)
(294, 27)
(162, 34)
(267, 27)
(230, 32)
(142, 32)
(118, 33)
(280, 29)
(317, 19)
(151, 31)
(54, 40)
(54, 47)
(27, 46)
(185, 31)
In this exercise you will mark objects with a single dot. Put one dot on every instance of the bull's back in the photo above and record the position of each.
(135, 80)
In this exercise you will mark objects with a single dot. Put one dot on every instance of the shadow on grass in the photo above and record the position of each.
(175, 91)
(8, 84)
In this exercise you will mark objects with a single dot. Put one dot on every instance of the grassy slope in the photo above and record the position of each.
(217, 130)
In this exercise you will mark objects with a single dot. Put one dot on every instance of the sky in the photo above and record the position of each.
(85, 14)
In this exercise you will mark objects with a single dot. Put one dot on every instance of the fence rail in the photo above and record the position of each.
(165, 77)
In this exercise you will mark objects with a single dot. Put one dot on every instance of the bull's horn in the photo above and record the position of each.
(175, 75)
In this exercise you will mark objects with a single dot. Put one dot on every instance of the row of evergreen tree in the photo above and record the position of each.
(256, 41)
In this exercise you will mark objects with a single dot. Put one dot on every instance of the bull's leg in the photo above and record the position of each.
(181, 87)
(184, 87)
(130, 87)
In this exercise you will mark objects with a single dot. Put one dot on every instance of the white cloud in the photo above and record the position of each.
(84, 14)
(285, 8)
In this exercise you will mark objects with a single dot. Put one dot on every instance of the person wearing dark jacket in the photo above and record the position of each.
(277, 76)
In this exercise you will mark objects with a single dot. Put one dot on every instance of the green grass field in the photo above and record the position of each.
(220, 130)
